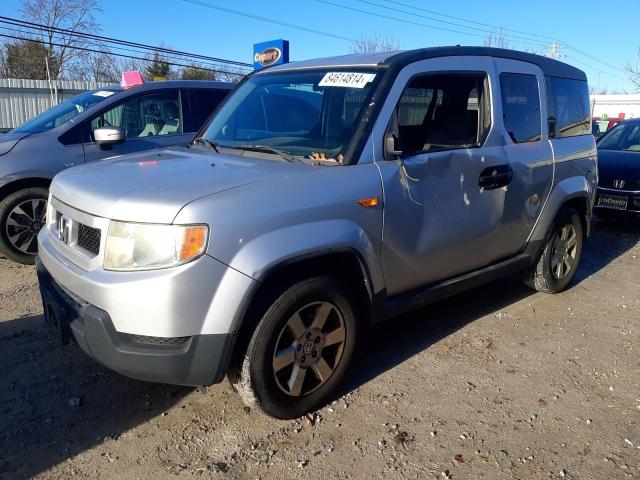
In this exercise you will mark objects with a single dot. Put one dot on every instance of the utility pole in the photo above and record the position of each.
(554, 51)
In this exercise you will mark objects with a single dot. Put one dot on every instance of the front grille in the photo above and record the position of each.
(89, 238)
(159, 340)
(610, 183)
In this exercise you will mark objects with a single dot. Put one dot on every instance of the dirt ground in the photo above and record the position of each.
(497, 383)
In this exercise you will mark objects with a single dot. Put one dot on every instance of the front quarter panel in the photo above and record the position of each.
(258, 226)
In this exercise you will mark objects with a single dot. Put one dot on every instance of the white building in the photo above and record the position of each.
(615, 106)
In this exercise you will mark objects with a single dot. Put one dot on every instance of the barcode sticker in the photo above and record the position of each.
(346, 79)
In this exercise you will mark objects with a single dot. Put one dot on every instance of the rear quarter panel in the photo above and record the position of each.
(576, 176)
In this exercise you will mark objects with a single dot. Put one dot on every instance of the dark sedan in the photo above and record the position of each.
(619, 170)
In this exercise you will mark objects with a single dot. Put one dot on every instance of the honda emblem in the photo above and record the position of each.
(64, 229)
(618, 183)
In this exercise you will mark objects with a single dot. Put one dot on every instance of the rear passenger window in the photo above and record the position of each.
(441, 112)
(521, 106)
(568, 106)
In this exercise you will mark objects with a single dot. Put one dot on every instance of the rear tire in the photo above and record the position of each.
(560, 257)
(300, 349)
(22, 215)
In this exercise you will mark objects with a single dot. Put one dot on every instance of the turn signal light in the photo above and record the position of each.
(369, 202)
(193, 242)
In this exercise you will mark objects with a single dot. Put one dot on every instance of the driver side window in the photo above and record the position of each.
(145, 115)
(441, 112)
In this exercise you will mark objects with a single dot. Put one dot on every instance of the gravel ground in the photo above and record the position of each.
(496, 383)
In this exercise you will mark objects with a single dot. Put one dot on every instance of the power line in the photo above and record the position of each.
(595, 58)
(367, 12)
(573, 59)
(528, 40)
(504, 28)
(495, 27)
(86, 49)
(45, 28)
(109, 50)
(269, 20)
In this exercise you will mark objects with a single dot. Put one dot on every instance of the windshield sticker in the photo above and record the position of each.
(346, 79)
(103, 93)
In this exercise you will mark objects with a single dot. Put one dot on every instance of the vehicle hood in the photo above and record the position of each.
(10, 140)
(154, 186)
(615, 164)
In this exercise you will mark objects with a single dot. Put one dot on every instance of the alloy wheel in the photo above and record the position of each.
(564, 251)
(23, 224)
(309, 348)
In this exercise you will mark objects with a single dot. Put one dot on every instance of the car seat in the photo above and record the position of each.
(153, 121)
(171, 118)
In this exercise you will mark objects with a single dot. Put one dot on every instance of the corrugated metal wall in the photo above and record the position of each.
(22, 99)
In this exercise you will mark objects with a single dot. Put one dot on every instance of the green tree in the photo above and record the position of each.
(28, 59)
(194, 72)
(158, 67)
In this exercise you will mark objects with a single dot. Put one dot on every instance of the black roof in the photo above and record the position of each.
(549, 67)
(398, 59)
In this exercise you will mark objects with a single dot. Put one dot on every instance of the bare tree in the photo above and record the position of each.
(71, 15)
(497, 39)
(375, 43)
(633, 72)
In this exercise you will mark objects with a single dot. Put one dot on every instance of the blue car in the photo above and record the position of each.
(92, 126)
(619, 170)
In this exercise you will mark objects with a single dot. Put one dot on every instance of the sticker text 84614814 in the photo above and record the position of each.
(346, 79)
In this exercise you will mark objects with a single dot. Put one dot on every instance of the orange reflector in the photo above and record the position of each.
(193, 242)
(369, 202)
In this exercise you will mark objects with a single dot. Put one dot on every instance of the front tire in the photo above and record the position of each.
(22, 215)
(560, 257)
(300, 349)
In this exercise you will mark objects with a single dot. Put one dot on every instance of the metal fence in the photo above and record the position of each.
(22, 99)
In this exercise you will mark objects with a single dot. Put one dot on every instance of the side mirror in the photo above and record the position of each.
(391, 147)
(107, 137)
(552, 127)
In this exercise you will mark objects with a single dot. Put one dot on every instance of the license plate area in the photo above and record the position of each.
(612, 201)
(56, 318)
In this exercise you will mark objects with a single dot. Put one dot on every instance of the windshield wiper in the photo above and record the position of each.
(266, 149)
(207, 142)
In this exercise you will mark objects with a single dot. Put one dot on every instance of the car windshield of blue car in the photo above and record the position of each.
(311, 114)
(624, 136)
(65, 111)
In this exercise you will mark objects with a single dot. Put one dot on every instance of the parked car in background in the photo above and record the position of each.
(619, 169)
(92, 126)
(321, 197)
(600, 126)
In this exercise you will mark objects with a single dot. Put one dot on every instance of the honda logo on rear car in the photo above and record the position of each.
(64, 229)
(618, 183)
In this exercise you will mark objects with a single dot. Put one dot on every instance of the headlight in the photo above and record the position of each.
(135, 246)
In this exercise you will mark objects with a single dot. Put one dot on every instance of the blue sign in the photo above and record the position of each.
(274, 52)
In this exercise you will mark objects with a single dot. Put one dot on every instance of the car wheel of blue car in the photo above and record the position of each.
(22, 215)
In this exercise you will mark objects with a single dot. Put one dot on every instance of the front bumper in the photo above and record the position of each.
(194, 360)
(632, 202)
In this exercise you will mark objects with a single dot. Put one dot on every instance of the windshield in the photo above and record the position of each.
(64, 111)
(308, 114)
(624, 136)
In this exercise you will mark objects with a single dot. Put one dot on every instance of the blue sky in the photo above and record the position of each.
(604, 30)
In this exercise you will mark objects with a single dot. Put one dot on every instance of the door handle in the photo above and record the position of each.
(495, 177)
